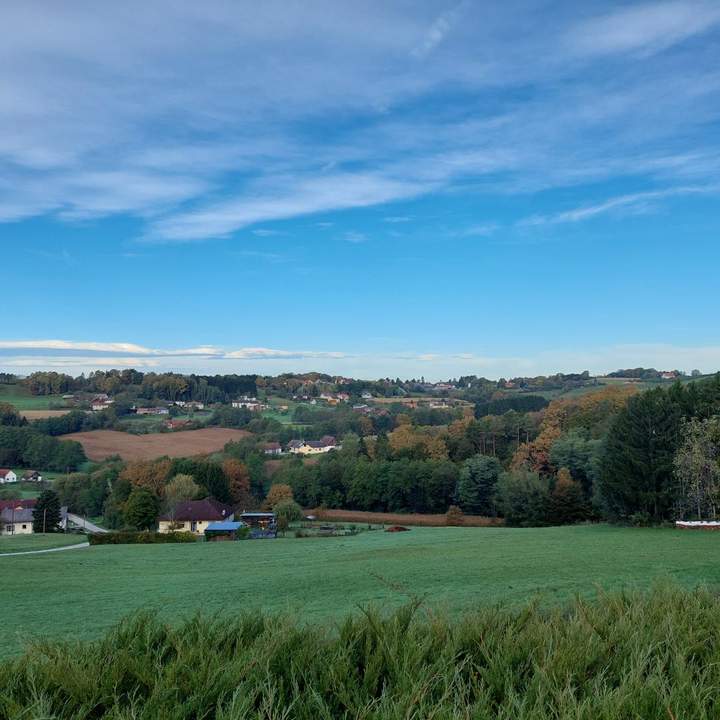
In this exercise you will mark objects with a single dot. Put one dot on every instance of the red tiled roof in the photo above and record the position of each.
(4, 471)
(26, 503)
(207, 509)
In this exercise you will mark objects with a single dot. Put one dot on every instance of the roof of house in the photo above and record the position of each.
(295, 444)
(4, 471)
(272, 446)
(228, 525)
(326, 441)
(258, 514)
(16, 515)
(207, 509)
(24, 503)
(30, 473)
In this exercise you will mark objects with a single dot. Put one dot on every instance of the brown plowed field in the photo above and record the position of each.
(376, 518)
(100, 444)
(42, 414)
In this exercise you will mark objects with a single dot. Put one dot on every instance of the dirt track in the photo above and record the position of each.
(100, 444)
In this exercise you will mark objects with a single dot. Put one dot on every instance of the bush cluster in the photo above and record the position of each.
(141, 538)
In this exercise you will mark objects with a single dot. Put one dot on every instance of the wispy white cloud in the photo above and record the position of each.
(355, 237)
(484, 230)
(195, 152)
(647, 27)
(283, 198)
(434, 365)
(630, 202)
(265, 232)
(118, 349)
(438, 30)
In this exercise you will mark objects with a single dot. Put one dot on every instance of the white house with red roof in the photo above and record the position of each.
(7, 476)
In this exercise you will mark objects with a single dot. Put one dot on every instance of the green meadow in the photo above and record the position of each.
(82, 593)
(24, 543)
(21, 398)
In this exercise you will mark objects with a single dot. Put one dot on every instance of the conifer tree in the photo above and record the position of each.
(46, 514)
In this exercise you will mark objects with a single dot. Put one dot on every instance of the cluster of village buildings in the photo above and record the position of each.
(8, 476)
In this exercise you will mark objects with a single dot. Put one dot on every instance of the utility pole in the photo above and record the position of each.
(44, 518)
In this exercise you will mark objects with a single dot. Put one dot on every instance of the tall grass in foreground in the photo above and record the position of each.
(623, 656)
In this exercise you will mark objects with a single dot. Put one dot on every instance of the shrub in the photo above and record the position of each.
(626, 656)
(141, 538)
(454, 516)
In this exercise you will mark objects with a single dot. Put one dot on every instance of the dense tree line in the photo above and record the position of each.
(639, 478)
(26, 447)
(518, 403)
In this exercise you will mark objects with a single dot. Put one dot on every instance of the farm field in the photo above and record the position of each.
(42, 414)
(86, 591)
(99, 444)
(21, 398)
(377, 518)
(21, 543)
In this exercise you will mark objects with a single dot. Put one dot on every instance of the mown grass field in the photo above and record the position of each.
(21, 398)
(21, 543)
(84, 592)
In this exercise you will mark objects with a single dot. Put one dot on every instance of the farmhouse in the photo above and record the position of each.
(16, 521)
(272, 448)
(152, 411)
(194, 516)
(7, 476)
(313, 447)
(32, 476)
(190, 404)
(249, 403)
(16, 516)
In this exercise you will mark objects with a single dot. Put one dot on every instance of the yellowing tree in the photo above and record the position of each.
(278, 493)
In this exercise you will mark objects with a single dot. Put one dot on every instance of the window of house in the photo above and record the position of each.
(24, 527)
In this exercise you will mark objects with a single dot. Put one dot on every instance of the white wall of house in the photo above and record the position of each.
(23, 528)
(10, 477)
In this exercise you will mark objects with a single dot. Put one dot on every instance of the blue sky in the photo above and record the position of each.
(369, 189)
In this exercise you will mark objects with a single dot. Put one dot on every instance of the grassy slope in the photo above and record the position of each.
(21, 398)
(20, 543)
(89, 590)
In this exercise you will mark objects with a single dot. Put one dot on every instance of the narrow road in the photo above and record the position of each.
(84, 523)
(47, 550)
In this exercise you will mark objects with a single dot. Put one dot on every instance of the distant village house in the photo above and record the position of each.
(272, 448)
(7, 476)
(195, 516)
(152, 411)
(313, 447)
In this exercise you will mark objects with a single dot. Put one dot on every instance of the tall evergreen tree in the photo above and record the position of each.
(476, 487)
(46, 514)
(637, 466)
